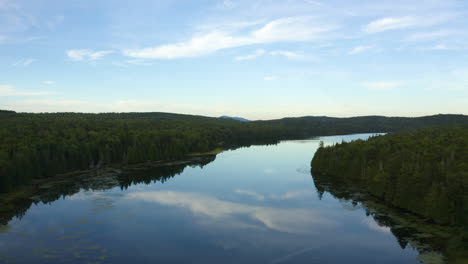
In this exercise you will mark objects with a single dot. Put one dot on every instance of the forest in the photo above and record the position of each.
(38, 146)
(423, 171)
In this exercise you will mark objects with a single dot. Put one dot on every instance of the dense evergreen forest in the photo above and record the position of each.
(37, 146)
(423, 171)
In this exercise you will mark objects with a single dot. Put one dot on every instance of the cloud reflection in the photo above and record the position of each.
(296, 221)
(374, 226)
(293, 194)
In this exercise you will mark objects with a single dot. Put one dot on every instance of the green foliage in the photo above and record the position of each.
(423, 171)
(37, 146)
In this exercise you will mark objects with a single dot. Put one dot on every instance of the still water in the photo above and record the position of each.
(250, 205)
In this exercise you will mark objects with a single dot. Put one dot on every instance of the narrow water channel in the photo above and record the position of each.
(251, 205)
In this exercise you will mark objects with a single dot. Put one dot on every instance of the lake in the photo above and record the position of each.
(250, 205)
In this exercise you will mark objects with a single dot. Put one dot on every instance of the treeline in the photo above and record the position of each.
(423, 171)
(326, 126)
(37, 146)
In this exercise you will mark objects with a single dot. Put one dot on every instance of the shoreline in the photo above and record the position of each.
(29, 190)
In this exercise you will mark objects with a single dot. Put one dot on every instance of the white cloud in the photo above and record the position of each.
(128, 63)
(403, 22)
(285, 196)
(382, 86)
(86, 54)
(229, 26)
(7, 90)
(290, 55)
(24, 62)
(290, 29)
(228, 4)
(391, 23)
(284, 53)
(291, 195)
(49, 82)
(440, 47)
(447, 46)
(199, 45)
(316, 3)
(256, 54)
(374, 226)
(359, 49)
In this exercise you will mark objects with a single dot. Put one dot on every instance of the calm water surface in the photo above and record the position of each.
(250, 205)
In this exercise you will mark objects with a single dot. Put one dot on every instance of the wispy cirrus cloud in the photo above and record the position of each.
(228, 4)
(290, 55)
(289, 29)
(87, 54)
(404, 22)
(254, 55)
(292, 195)
(439, 47)
(132, 62)
(24, 62)
(360, 49)
(8, 90)
(382, 86)
(283, 53)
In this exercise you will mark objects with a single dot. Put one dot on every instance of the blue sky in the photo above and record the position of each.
(258, 59)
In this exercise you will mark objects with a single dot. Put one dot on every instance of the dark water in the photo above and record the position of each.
(251, 205)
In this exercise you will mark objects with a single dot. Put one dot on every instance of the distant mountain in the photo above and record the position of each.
(235, 118)
(323, 125)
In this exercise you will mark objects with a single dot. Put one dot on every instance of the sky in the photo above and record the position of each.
(258, 59)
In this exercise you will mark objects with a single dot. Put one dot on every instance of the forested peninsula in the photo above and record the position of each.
(423, 171)
(38, 146)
